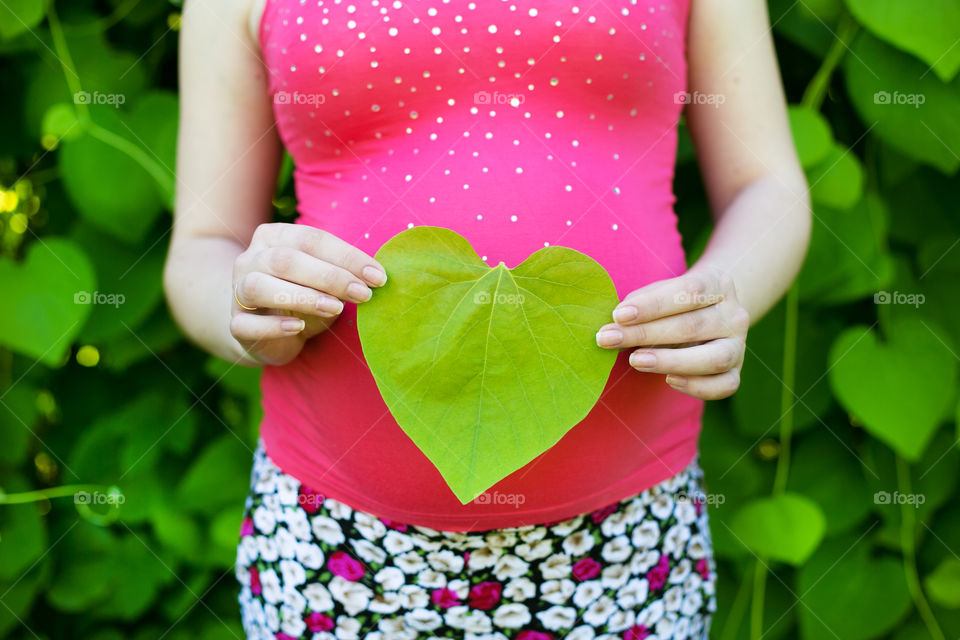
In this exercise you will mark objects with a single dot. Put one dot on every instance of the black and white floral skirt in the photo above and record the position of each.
(312, 567)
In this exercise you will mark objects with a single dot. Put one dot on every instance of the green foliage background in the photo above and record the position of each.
(843, 395)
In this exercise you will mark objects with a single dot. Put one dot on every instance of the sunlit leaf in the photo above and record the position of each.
(786, 527)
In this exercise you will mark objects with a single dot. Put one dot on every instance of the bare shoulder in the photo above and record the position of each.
(239, 18)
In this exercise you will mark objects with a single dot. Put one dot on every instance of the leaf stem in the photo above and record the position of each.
(756, 606)
(732, 624)
(816, 91)
(789, 374)
(46, 494)
(909, 542)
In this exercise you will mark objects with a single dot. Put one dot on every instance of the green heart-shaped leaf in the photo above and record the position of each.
(484, 368)
(811, 135)
(897, 401)
(786, 527)
(943, 584)
(47, 290)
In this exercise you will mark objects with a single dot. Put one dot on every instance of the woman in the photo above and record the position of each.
(517, 125)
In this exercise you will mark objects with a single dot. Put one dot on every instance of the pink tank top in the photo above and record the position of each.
(517, 124)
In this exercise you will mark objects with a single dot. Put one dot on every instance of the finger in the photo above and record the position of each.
(262, 290)
(303, 269)
(250, 327)
(325, 246)
(715, 387)
(715, 356)
(707, 323)
(692, 290)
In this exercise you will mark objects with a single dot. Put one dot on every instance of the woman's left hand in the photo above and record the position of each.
(691, 327)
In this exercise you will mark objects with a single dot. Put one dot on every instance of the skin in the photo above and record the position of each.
(694, 326)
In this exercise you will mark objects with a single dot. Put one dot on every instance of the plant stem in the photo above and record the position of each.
(909, 542)
(732, 624)
(816, 91)
(787, 390)
(756, 606)
(46, 494)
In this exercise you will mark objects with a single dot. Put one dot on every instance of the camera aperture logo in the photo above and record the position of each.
(897, 98)
(112, 299)
(85, 97)
(885, 497)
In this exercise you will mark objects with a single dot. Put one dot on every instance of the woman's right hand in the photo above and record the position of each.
(296, 277)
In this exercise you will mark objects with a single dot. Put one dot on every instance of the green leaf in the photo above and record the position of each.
(47, 290)
(887, 87)
(837, 180)
(23, 536)
(880, 383)
(786, 527)
(20, 16)
(484, 368)
(849, 594)
(811, 135)
(18, 413)
(219, 476)
(930, 33)
(943, 585)
(60, 121)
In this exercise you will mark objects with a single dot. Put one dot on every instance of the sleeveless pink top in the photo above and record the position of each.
(517, 124)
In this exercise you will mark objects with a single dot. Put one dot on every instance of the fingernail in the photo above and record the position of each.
(675, 381)
(293, 325)
(643, 360)
(359, 292)
(609, 337)
(330, 305)
(625, 313)
(374, 276)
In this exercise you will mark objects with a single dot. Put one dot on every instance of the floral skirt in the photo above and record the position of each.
(313, 567)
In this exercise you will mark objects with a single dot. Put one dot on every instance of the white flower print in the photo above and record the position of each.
(369, 526)
(386, 602)
(419, 538)
(673, 598)
(556, 566)
(460, 587)
(292, 624)
(614, 576)
(633, 594)
(337, 509)
(390, 578)
(557, 591)
(675, 539)
(583, 632)
(298, 524)
(501, 539)
(521, 588)
(264, 519)
(286, 542)
(534, 551)
(486, 636)
(309, 555)
(318, 598)
(347, 628)
(270, 583)
(685, 512)
(512, 616)
(287, 492)
(323, 635)
(354, 596)
(483, 558)
(294, 599)
(567, 526)
(248, 548)
(533, 534)
(691, 603)
(586, 592)
(650, 614)
(410, 562)
(327, 530)
(389, 626)
(680, 571)
(662, 506)
(272, 504)
(665, 626)
(456, 617)
(509, 566)
(368, 551)
(682, 628)
(617, 549)
(642, 561)
(633, 512)
(272, 615)
(431, 579)
(412, 596)
(696, 546)
(292, 572)
(621, 619)
(395, 542)
(614, 524)
(557, 617)
(598, 612)
(646, 534)
(423, 619)
(692, 582)
(445, 560)
(578, 543)
(478, 622)
(267, 547)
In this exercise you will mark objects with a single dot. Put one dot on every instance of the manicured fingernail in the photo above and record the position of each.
(643, 360)
(676, 381)
(359, 292)
(609, 337)
(330, 305)
(374, 276)
(625, 313)
(293, 325)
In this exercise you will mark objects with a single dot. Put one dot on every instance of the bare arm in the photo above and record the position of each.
(694, 327)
